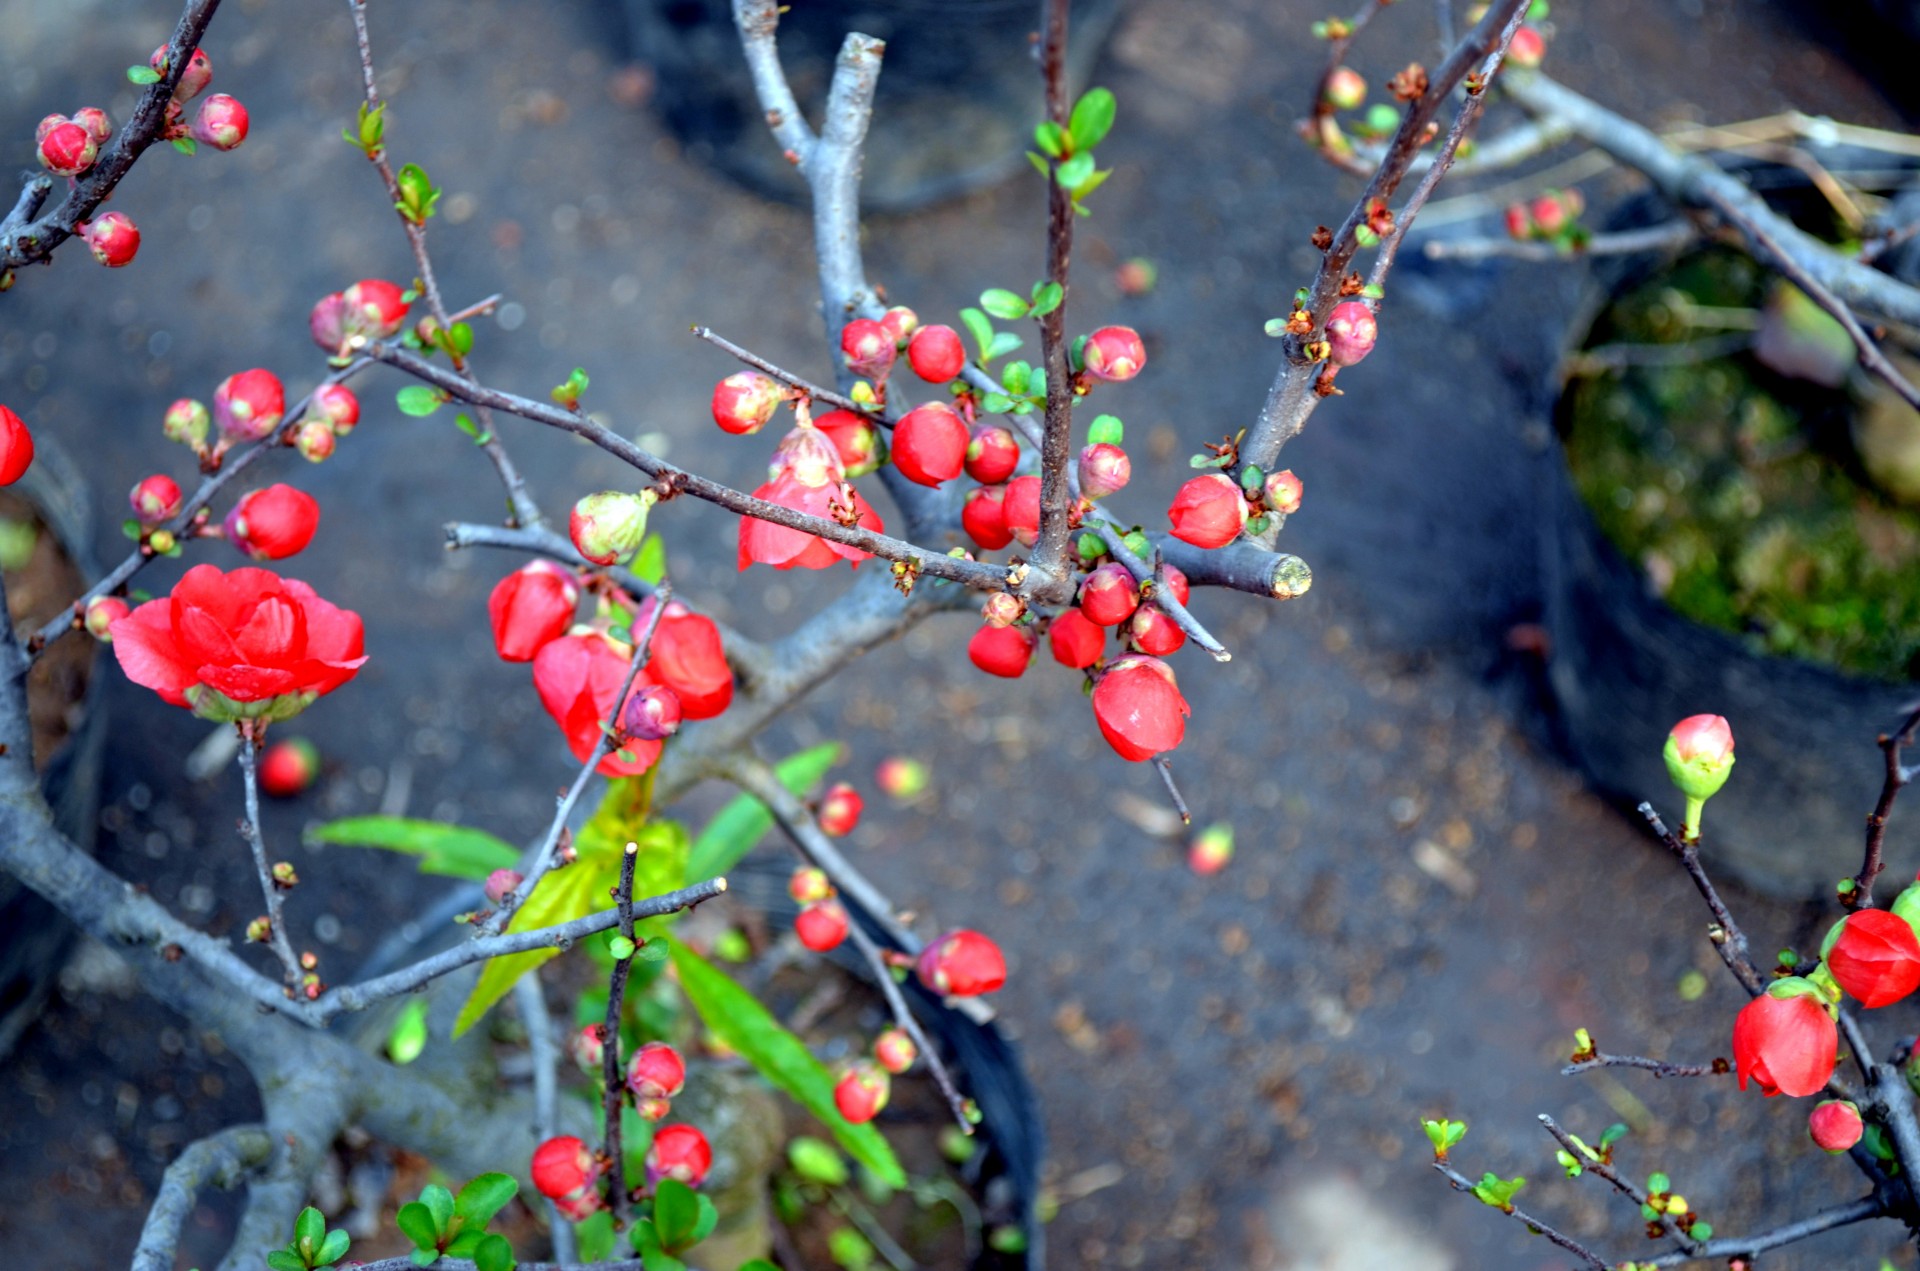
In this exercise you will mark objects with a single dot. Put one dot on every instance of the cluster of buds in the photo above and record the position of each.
(1551, 217)
(342, 322)
(567, 1172)
(69, 146)
(655, 1074)
(221, 121)
(864, 1086)
(332, 413)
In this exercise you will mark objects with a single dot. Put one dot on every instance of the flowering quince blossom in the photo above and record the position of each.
(962, 963)
(687, 656)
(1208, 511)
(807, 476)
(565, 1171)
(862, 1091)
(1785, 1040)
(1139, 708)
(679, 1151)
(530, 608)
(242, 645)
(1835, 1125)
(578, 677)
(1874, 956)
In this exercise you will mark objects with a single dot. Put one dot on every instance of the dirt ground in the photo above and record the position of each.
(1425, 903)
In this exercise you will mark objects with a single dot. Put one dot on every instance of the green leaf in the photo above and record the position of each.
(1051, 138)
(424, 1257)
(452, 850)
(654, 950)
(996, 403)
(309, 1229)
(439, 1203)
(674, 1214)
(1040, 164)
(186, 145)
(463, 1245)
(494, 1254)
(464, 422)
(143, 75)
(418, 400)
(1003, 304)
(981, 329)
(1004, 342)
(282, 1260)
(408, 1036)
(1106, 430)
(333, 1248)
(484, 1197)
(816, 1161)
(650, 562)
(416, 1220)
(739, 826)
(596, 1237)
(620, 947)
(709, 1219)
(1082, 189)
(734, 1016)
(757, 1264)
(1074, 171)
(460, 338)
(1046, 298)
(1016, 377)
(1092, 118)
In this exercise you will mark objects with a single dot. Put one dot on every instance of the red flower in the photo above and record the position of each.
(1114, 354)
(249, 405)
(1023, 509)
(1139, 708)
(1151, 631)
(578, 678)
(1002, 651)
(1075, 641)
(984, 516)
(992, 454)
(854, 439)
(962, 964)
(273, 523)
(16, 447)
(807, 477)
(244, 645)
(1785, 1040)
(565, 1171)
(530, 607)
(1874, 956)
(1208, 511)
(822, 925)
(936, 353)
(868, 348)
(656, 1071)
(861, 1092)
(930, 444)
(1834, 1124)
(1109, 595)
(686, 656)
(679, 1151)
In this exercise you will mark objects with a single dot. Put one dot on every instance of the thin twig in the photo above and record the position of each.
(827, 395)
(1898, 775)
(1163, 595)
(613, 1094)
(1727, 938)
(1658, 1067)
(544, 1055)
(1600, 1168)
(1461, 1183)
(1789, 1233)
(250, 830)
(1165, 769)
(1666, 236)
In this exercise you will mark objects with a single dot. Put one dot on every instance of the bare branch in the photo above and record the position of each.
(1461, 1183)
(1667, 236)
(757, 21)
(1746, 1246)
(1725, 934)
(221, 1160)
(788, 378)
(1243, 566)
(1658, 1067)
(531, 999)
(250, 830)
(1898, 775)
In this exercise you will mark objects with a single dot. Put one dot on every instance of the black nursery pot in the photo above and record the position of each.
(1624, 667)
(955, 108)
(33, 936)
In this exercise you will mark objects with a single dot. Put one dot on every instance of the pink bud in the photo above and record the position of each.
(16, 447)
(1208, 511)
(1002, 651)
(895, 1050)
(1151, 631)
(1528, 47)
(1022, 504)
(155, 499)
(1109, 595)
(1283, 491)
(249, 406)
(1703, 739)
(809, 884)
(854, 439)
(273, 523)
(1351, 331)
(861, 1092)
(652, 714)
(289, 767)
(936, 354)
(502, 881)
(902, 778)
(900, 322)
(610, 525)
(187, 422)
(992, 454)
(1139, 708)
(656, 1071)
(679, 1151)
(930, 444)
(840, 809)
(1104, 469)
(962, 964)
(102, 613)
(221, 122)
(378, 307)
(193, 81)
(868, 348)
(336, 404)
(67, 150)
(1002, 609)
(95, 121)
(47, 125)
(1835, 1125)
(587, 1048)
(1114, 354)
(1076, 641)
(1519, 224)
(113, 238)
(314, 439)
(1345, 89)
(744, 402)
(1211, 849)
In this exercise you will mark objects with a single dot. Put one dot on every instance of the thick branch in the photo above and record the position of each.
(1056, 447)
(222, 1160)
(1747, 1246)
(1242, 566)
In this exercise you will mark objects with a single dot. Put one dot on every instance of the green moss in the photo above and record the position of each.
(1734, 489)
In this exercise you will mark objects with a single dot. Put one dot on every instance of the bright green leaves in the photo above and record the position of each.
(142, 75)
(1003, 304)
(312, 1245)
(417, 194)
(368, 130)
(1009, 307)
(440, 1223)
(408, 1036)
(1065, 155)
(992, 344)
(681, 1219)
(1444, 1135)
(1498, 1192)
(568, 394)
(419, 401)
(453, 850)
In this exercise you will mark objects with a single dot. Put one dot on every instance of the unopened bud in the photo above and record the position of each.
(501, 882)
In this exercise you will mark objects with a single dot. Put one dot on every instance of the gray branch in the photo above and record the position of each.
(221, 1160)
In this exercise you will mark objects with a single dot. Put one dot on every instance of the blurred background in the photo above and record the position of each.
(1426, 900)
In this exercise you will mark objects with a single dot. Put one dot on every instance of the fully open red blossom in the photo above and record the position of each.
(578, 678)
(244, 645)
(808, 476)
(1139, 708)
(687, 657)
(1875, 957)
(1786, 1044)
(530, 607)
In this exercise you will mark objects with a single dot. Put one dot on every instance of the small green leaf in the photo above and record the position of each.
(333, 1248)
(996, 403)
(419, 401)
(1016, 377)
(1701, 1231)
(1003, 304)
(283, 1260)
(484, 1197)
(494, 1254)
(850, 1249)
(674, 1214)
(455, 851)
(1106, 430)
(408, 1036)
(1659, 1183)
(709, 1219)
(816, 1161)
(460, 338)
(1092, 183)
(1092, 118)
(1004, 342)
(596, 1237)
(1612, 1134)
(463, 1245)
(143, 75)
(309, 1229)
(758, 1264)
(1040, 164)
(1276, 327)
(464, 422)
(1046, 298)
(651, 561)
(416, 1220)
(186, 145)
(373, 124)
(620, 947)
(1051, 138)
(737, 828)
(439, 1203)
(424, 1257)
(654, 950)
(645, 1238)
(1075, 170)
(1498, 1192)
(981, 330)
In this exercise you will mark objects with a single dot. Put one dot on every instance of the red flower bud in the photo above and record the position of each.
(1104, 469)
(221, 122)
(1109, 595)
(1528, 47)
(653, 713)
(1785, 1040)
(1519, 224)
(1351, 331)
(992, 454)
(530, 607)
(984, 517)
(1075, 641)
(1176, 582)
(102, 613)
(501, 883)
(377, 307)
(1549, 215)
(1002, 651)
(1345, 89)
(187, 422)
(249, 405)
(273, 523)
(855, 440)
(609, 526)
(289, 767)
(1211, 849)
(155, 499)
(1283, 491)
(1835, 1125)
(113, 238)
(1138, 705)
(16, 447)
(1874, 956)
(656, 1071)
(894, 1050)
(962, 964)
(679, 1151)
(578, 678)
(1022, 504)
(589, 1049)
(47, 125)
(840, 809)
(809, 884)
(808, 476)
(822, 925)
(861, 1092)
(930, 444)
(744, 402)
(67, 150)
(1699, 756)
(901, 778)
(1150, 630)
(688, 657)
(565, 1171)
(1208, 511)
(336, 404)
(193, 81)
(1114, 354)
(900, 322)
(868, 348)
(96, 122)
(314, 439)
(936, 354)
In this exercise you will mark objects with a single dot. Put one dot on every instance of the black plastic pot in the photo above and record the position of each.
(33, 936)
(1624, 667)
(955, 108)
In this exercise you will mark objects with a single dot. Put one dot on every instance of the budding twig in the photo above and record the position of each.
(1600, 1168)
(1728, 940)
(1658, 1067)
(788, 378)
(1461, 1183)
(250, 830)
(1898, 775)
(613, 1083)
